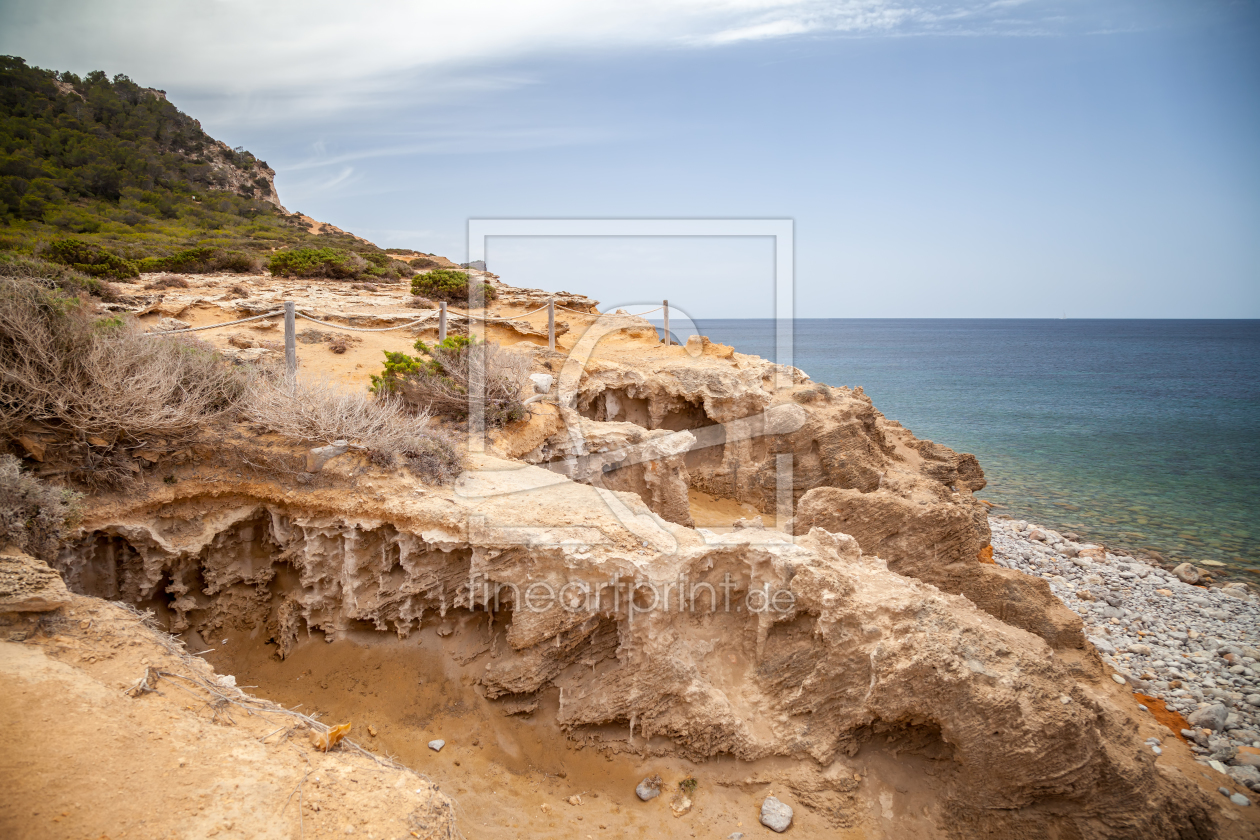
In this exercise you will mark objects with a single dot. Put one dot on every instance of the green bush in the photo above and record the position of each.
(203, 260)
(92, 260)
(450, 285)
(335, 263)
(385, 267)
(316, 262)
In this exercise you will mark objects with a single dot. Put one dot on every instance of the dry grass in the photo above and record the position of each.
(321, 412)
(66, 371)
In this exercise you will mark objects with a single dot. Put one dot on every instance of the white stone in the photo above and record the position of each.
(776, 815)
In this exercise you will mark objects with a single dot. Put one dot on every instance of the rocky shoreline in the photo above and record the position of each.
(1195, 647)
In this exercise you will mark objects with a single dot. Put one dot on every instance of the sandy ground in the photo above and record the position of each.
(82, 759)
(512, 776)
(365, 354)
(717, 514)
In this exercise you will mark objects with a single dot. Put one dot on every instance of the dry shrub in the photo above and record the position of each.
(69, 372)
(441, 380)
(167, 281)
(321, 412)
(236, 290)
(33, 515)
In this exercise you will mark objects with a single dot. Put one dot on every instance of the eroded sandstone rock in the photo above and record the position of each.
(29, 585)
(852, 651)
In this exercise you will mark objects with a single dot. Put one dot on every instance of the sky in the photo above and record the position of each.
(1006, 158)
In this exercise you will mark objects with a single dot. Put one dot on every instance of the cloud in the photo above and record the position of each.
(330, 49)
(760, 31)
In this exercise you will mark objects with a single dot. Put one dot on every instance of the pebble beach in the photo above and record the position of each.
(1174, 634)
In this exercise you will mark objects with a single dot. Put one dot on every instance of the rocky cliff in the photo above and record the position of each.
(864, 622)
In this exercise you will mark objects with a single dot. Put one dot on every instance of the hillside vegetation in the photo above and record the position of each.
(136, 185)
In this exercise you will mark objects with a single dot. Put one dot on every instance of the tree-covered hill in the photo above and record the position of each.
(115, 166)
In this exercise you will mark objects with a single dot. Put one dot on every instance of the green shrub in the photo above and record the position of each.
(203, 260)
(33, 515)
(336, 263)
(316, 262)
(53, 275)
(91, 259)
(438, 380)
(450, 285)
(385, 267)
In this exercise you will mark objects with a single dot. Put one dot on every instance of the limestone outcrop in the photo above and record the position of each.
(938, 542)
(851, 469)
(747, 644)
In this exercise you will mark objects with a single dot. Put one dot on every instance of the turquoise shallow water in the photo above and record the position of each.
(1143, 434)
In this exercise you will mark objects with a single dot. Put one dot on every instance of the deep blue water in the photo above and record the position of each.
(1145, 434)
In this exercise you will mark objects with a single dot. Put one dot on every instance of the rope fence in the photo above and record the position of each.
(225, 324)
(291, 313)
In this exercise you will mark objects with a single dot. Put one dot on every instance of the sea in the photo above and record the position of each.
(1141, 434)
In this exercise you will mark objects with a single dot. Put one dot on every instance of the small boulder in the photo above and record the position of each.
(542, 382)
(649, 788)
(1186, 573)
(1103, 645)
(170, 324)
(1244, 774)
(317, 457)
(437, 745)
(776, 815)
(1209, 717)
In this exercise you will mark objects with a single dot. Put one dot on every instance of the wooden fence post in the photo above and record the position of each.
(666, 323)
(442, 321)
(290, 337)
(551, 324)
